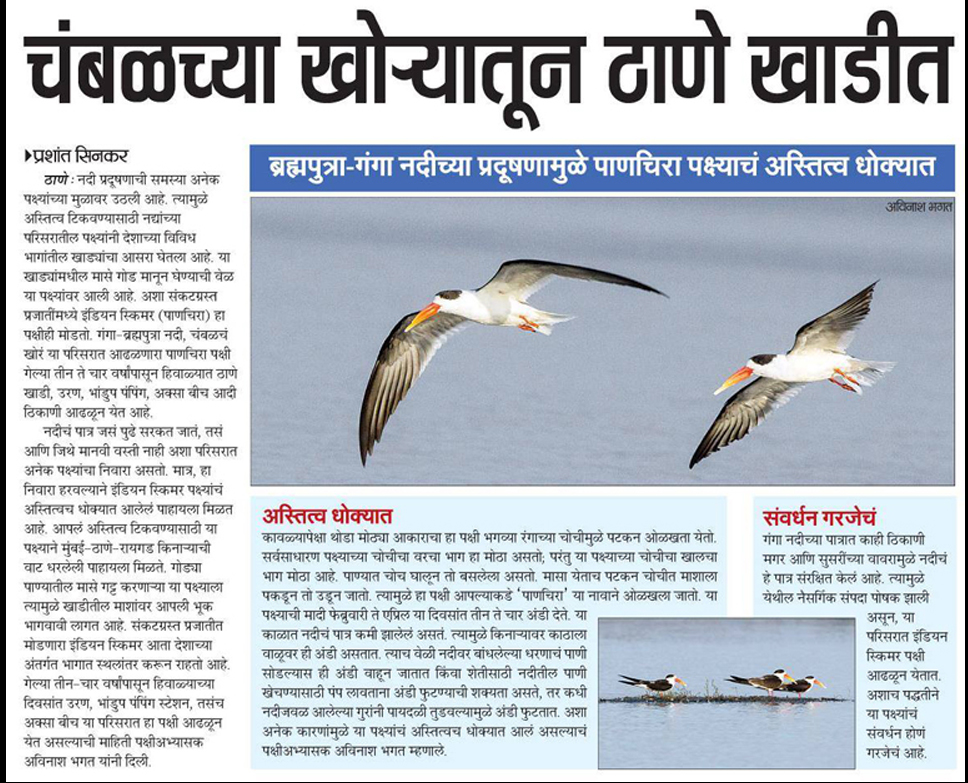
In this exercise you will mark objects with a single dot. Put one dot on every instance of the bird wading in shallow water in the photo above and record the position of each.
(819, 353)
(502, 301)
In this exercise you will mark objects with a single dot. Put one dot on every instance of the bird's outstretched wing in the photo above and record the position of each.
(402, 358)
(834, 331)
(522, 278)
(743, 411)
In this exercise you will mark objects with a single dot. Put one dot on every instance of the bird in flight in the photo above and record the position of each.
(819, 353)
(501, 301)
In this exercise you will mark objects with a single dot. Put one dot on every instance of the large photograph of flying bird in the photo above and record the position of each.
(652, 298)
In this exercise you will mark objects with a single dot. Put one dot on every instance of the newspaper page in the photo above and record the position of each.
(283, 498)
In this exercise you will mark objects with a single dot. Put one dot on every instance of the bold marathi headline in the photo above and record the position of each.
(514, 72)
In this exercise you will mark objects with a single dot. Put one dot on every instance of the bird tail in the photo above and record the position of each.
(546, 321)
(868, 373)
(738, 680)
(626, 680)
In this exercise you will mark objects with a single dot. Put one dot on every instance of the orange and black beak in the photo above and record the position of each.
(428, 312)
(788, 676)
(679, 681)
(740, 375)
(817, 682)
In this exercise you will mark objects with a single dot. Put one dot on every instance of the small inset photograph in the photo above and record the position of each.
(726, 693)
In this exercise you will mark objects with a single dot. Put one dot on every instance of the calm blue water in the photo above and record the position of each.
(727, 736)
(703, 652)
(622, 394)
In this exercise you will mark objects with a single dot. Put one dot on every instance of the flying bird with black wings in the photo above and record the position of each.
(502, 301)
(818, 354)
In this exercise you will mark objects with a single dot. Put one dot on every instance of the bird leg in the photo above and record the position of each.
(843, 385)
(845, 375)
(527, 325)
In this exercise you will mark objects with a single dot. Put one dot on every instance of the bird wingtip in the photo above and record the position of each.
(651, 289)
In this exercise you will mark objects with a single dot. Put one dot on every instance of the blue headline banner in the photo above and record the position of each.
(585, 168)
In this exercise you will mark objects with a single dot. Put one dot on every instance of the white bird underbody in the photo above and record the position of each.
(491, 308)
(502, 301)
(818, 354)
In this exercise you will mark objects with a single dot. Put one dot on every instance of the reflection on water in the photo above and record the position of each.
(787, 732)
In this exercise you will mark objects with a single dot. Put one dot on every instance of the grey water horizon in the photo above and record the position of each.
(622, 394)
